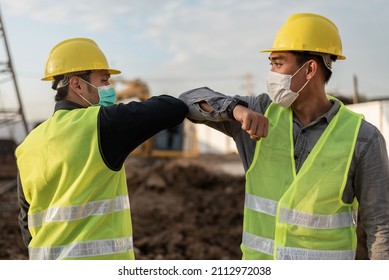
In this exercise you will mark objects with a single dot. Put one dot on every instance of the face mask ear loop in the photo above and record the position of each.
(92, 86)
(299, 69)
(296, 73)
(84, 99)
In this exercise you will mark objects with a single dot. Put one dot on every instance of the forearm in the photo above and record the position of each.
(205, 107)
(124, 127)
(210, 108)
(162, 112)
(137, 121)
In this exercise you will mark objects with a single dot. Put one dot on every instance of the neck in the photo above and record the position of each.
(311, 109)
(79, 99)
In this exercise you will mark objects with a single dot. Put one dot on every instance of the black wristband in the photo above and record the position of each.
(233, 104)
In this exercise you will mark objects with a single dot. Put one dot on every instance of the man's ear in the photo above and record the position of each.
(311, 69)
(74, 84)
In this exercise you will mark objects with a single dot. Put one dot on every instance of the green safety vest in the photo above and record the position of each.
(301, 216)
(79, 208)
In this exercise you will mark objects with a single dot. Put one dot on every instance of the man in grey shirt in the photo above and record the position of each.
(296, 85)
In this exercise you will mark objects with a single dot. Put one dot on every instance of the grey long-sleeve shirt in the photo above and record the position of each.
(368, 178)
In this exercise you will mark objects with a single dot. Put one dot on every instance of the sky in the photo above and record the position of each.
(175, 46)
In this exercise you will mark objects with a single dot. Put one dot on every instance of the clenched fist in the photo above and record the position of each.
(253, 123)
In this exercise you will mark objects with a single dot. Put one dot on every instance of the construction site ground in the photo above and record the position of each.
(182, 209)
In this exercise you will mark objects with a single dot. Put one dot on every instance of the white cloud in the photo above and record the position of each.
(211, 42)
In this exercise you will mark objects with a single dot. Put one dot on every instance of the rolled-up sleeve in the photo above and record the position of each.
(218, 101)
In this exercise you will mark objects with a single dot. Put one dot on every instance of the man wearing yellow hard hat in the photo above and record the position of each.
(72, 182)
(310, 162)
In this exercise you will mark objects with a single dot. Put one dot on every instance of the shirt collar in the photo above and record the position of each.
(66, 105)
(333, 111)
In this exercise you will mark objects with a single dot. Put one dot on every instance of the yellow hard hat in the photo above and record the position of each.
(75, 55)
(308, 32)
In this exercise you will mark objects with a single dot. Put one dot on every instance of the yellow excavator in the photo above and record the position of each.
(179, 141)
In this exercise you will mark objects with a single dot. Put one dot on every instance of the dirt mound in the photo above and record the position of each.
(11, 243)
(186, 209)
(181, 209)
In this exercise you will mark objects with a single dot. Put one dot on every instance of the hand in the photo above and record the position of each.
(253, 123)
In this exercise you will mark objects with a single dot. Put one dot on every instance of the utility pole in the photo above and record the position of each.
(6, 68)
(249, 84)
(356, 93)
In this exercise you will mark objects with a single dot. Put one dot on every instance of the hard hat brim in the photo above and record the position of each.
(340, 57)
(110, 71)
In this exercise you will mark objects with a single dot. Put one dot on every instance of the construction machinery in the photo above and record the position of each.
(178, 141)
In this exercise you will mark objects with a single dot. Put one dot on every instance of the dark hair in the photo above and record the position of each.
(62, 92)
(302, 57)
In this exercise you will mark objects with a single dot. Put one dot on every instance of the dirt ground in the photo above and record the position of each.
(182, 208)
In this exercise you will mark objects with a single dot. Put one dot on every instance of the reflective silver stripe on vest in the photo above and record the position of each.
(258, 243)
(260, 204)
(71, 213)
(82, 249)
(266, 246)
(294, 217)
(285, 253)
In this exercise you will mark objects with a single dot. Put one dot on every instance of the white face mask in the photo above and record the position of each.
(278, 88)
